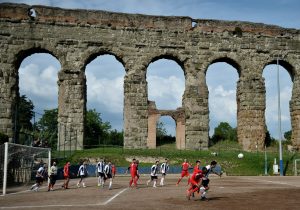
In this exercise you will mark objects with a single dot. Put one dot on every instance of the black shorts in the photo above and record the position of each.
(108, 176)
(101, 174)
(53, 179)
(163, 174)
(205, 182)
(153, 177)
(39, 179)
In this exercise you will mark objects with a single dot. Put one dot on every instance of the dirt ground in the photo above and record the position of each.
(225, 193)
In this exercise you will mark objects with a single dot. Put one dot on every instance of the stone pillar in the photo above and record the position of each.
(180, 132)
(152, 121)
(195, 104)
(251, 128)
(71, 109)
(9, 90)
(295, 113)
(135, 106)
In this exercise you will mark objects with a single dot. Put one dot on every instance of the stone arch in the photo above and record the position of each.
(293, 108)
(22, 54)
(227, 60)
(90, 56)
(19, 57)
(154, 114)
(285, 64)
(177, 115)
(166, 56)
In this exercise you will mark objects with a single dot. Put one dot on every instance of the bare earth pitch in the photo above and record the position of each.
(225, 193)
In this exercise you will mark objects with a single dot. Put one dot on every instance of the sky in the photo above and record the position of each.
(38, 72)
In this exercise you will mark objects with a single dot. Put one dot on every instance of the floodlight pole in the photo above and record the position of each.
(279, 122)
(5, 167)
(266, 162)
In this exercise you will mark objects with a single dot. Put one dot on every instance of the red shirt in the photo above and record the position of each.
(196, 179)
(113, 169)
(197, 169)
(66, 170)
(133, 168)
(185, 166)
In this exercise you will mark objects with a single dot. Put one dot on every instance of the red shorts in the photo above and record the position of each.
(184, 173)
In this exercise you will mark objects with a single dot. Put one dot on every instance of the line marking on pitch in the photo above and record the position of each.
(273, 182)
(64, 205)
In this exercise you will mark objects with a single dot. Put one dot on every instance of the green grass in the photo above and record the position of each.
(253, 163)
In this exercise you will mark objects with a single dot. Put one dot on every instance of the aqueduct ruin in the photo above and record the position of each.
(75, 37)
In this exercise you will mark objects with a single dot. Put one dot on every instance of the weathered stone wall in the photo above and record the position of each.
(75, 37)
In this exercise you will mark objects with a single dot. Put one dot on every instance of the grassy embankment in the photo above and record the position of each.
(253, 163)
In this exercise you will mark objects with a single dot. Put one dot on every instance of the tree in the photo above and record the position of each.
(25, 113)
(160, 129)
(47, 127)
(288, 137)
(224, 132)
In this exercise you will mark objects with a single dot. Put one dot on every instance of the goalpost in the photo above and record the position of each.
(19, 163)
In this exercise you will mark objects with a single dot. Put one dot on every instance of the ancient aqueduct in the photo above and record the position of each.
(75, 37)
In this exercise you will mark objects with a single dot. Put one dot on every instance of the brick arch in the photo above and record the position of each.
(88, 58)
(227, 60)
(22, 54)
(168, 57)
(285, 64)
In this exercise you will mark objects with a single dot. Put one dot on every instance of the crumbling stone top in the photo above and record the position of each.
(75, 17)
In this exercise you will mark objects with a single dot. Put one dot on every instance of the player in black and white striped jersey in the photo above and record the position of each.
(108, 174)
(154, 172)
(164, 168)
(100, 170)
(39, 177)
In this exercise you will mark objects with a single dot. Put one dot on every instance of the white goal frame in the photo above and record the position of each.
(6, 162)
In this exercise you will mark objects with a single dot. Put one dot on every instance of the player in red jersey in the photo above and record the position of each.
(197, 168)
(195, 184)
(133, 168)
(185, 171)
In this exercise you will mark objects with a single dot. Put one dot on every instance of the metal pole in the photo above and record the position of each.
(266, 162)
(49, 164)
(5, 167)
(279, 122)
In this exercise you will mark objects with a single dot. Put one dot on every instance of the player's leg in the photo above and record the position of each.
(154, 181)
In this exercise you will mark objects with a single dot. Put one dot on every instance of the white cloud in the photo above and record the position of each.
(222, 104)
(105, 92)
(166, 92)
(39, 85)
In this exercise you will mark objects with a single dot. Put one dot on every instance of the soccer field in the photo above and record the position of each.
(225, 193)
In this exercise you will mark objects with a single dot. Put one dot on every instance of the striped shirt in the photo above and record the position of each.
(100, 167)
(108, 169)
(164, 168)
(154, 170)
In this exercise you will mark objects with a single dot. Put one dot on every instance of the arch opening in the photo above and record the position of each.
(104, 101)
(221, 79)
(38, 99)
(271, 112)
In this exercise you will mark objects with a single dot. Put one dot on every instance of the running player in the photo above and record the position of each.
(113, 170)
(66, 175)
(39, 178)
(100, 170)
(164, 168)
(82, 173)
(108, 174)
(185, 171)
(153, 175)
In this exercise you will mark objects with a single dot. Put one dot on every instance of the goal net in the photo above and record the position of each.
(18, 166)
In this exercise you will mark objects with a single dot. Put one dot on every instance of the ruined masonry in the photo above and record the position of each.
(76, 37)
